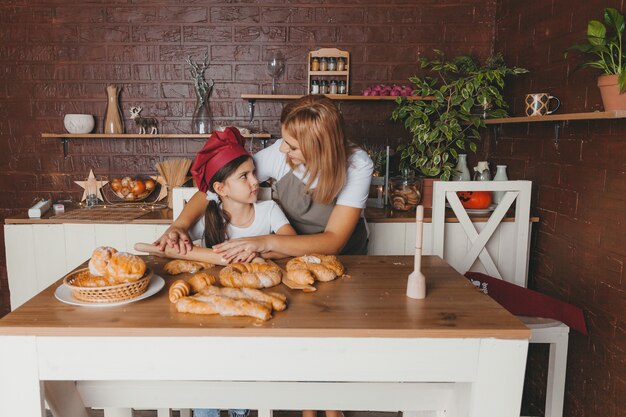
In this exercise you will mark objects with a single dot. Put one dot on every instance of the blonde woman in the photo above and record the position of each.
(322, 182)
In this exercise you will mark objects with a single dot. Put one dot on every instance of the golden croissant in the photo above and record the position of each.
(259, 275)
(224, 306)
(274, 301)
(200, 281)
(178, 266)
(306, 269)
(178, 290)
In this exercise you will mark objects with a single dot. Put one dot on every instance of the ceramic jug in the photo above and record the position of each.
(500, 176)
(481, 172)
(461, 171)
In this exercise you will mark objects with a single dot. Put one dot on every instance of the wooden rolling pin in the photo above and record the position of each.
(196, 253)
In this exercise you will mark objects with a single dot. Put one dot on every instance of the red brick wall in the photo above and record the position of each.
(58, 56)
(579, 247)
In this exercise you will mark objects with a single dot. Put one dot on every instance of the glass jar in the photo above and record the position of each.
(315, 87)
(342, 87)
(323, 87)
(323, 64)
(315, 64)
(341, 64)
(405, 192)
(332, 64)
(333, 87)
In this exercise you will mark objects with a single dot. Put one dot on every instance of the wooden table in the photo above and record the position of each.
(356, 344)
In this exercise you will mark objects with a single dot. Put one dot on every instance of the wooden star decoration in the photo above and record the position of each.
(92, 184)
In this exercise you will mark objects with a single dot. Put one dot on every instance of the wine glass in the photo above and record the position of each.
(275, 67)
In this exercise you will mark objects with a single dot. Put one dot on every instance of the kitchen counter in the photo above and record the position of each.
(164, 216)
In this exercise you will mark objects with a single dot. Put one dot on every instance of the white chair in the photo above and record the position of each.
(543, 330)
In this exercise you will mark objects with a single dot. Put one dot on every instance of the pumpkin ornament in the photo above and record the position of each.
(475, 199)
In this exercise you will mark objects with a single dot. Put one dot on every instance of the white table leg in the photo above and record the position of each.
(497, 389)
(185, 412)
(20, 388)
(64, 400)
(266, 413)
(164, 412)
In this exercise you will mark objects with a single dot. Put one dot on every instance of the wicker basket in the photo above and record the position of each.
(110, 294)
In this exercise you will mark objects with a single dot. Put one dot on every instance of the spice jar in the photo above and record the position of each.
(315, 87)
(323, 64)
(315, 64)
(405, 192)
(342, 87)
(323, 87)
(333, 87)
(341, 64)
(332, 64)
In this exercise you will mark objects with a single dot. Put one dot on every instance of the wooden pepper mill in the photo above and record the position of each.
(113, 119)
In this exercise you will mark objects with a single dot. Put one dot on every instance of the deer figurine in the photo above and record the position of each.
(144, 123)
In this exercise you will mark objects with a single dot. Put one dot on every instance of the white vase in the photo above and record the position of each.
(500, 176)
(461, 171)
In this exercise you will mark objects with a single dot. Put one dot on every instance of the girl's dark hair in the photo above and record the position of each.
(215, 218)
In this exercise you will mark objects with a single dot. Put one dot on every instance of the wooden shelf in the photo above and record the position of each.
(65, 136)
(328, 72)
(331, 96)
(618, 114)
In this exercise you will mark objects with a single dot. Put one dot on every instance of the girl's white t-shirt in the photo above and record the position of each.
(268, 218)
(271, 163)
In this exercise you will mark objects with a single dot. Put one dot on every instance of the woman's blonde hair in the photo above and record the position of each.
(318, 126)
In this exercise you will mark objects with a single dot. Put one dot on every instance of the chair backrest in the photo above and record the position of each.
(512, 247)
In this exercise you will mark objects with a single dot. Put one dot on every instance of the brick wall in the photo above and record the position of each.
(579, 247)
(58, 57)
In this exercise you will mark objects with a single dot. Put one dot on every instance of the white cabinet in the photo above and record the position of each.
(399, 239)
(39, 254)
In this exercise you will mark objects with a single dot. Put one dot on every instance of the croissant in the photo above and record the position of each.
(178, 290)
(178, 266)
(250, 275)
(306, 269)
(200, 281)
(273, 300)
(224, 306)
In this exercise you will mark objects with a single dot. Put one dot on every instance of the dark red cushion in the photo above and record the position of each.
(524, 302)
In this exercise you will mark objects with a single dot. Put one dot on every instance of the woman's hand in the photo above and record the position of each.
(234, 249)
(175, 238)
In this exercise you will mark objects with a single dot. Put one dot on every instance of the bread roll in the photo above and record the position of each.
(274, 301)
(250, 275)
(87, 279)
(125, 267)
(224, 306)
(200, 281)
(306, 269)
(100, 259)
(179, 266)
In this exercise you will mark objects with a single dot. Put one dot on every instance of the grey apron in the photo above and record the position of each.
(309, 217)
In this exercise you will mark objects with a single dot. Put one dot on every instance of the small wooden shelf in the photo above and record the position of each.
(65, 136)
(617, 114)
(347, 97)
(328, 72)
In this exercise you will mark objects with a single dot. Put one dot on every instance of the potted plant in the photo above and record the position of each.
(464, 94)
(605, 48)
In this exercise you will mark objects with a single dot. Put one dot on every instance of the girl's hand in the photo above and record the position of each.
(242, 247)
(245, 257)
(175, 238)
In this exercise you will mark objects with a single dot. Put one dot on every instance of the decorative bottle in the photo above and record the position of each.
(113, 119)
(500, 176)
(461, 171)
(482, 172)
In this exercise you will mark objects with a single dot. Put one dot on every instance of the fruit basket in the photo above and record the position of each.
(130, 190)
(107, 294)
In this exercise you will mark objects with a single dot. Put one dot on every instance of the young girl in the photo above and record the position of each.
(225, 172)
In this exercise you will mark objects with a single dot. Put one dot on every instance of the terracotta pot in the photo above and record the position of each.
(427, 192)
(611, 97)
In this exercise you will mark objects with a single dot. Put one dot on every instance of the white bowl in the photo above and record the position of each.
(79, 123)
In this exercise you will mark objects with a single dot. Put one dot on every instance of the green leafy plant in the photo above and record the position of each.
(463, 93)
(606, 46)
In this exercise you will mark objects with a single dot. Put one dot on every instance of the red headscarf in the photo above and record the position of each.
(219, 149)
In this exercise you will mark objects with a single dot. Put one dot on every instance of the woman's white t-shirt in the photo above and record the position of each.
(268, 218)
(271, 163)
